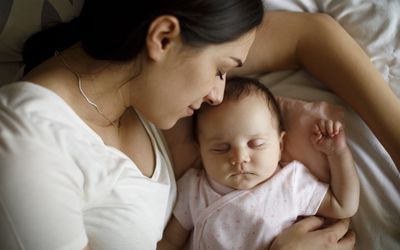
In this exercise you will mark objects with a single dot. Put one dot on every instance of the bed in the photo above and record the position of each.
(374, 24)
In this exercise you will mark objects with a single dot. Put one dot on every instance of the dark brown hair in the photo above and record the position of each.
(116, 30)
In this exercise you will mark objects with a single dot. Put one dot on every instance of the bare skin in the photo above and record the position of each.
(285, 41)
(311, 229)
(118, 90)
(342, 198)
(289, 41)
(318, 44)
(243, 131)
(309, 233)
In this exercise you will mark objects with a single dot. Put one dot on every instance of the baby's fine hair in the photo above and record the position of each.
(238, 87)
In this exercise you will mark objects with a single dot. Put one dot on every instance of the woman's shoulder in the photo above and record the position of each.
(26, 103)
(26, 99)
(32, 114)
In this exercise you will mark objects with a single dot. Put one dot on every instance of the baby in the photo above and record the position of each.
(243, 198)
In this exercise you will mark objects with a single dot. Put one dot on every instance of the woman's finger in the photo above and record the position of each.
(309, 224)
(348, 241)
(336, 231)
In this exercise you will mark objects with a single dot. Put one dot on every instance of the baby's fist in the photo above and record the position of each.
(328, 136)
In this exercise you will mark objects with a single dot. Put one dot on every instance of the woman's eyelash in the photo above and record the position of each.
(221, 75)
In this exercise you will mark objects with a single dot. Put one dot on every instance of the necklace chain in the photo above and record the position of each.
(116, 124)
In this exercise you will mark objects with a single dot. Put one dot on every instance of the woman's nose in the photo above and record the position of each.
(216, 94)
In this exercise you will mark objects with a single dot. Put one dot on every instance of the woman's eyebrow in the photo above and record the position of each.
(238, 61)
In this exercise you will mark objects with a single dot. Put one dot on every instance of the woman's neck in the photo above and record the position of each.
(91, 87)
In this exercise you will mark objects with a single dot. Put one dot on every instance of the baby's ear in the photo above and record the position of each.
(282, 139)
(285, 156)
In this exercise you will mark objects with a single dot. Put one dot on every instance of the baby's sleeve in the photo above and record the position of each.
(308, 191)
(187, 191)
(41, 200)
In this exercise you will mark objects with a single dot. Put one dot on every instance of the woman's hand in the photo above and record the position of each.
(307, 234)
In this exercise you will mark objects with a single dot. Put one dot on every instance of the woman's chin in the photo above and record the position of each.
(169, 122)
(166, 124)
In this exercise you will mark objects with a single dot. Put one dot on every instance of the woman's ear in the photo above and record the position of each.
(163, 32)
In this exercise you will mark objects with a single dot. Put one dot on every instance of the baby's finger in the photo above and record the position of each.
(337, 127)
(316, 130)
(322, 126)
(329, 128)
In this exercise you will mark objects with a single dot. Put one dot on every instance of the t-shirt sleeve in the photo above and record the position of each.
(309, 192)
(187, 187)
(41, 200)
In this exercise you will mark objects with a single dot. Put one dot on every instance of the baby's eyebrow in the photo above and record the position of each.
(215, 140)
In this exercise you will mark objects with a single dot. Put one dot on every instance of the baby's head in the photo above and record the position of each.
(240, 139)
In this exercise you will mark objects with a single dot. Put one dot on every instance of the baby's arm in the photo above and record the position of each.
(341, 200)
(174, 236)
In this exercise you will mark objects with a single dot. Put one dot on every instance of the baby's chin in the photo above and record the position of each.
(244, 187)
(243, 182)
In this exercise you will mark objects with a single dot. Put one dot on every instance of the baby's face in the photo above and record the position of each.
(239, 142)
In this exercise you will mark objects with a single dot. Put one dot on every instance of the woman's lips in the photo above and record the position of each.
(189, 111)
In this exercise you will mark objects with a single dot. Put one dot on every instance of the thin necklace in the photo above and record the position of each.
(116, 124)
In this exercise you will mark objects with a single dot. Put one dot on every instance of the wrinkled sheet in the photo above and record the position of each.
(375, 25)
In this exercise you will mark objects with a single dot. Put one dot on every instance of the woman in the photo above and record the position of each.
(83, 164)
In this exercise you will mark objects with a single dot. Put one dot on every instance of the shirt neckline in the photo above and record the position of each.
(77, 120)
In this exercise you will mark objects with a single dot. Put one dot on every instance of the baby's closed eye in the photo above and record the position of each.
(257, 143)
(220, 148)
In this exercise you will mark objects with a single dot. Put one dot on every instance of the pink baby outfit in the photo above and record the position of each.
(246, 219)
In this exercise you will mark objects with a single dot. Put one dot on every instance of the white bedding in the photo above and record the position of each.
(375, 25)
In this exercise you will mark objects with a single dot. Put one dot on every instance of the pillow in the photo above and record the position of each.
(19, 19)
(299, 118)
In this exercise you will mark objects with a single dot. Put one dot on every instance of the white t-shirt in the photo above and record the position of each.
(61, 186)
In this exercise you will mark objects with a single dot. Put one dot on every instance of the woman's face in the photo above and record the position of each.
(239, 141)
(177, 85)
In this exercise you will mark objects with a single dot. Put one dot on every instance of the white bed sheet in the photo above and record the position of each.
(375, 25)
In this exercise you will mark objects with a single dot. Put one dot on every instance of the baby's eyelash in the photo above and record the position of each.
(256, 143)
(221, 75)
(220, 148)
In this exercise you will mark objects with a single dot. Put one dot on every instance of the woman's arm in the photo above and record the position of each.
(183, 148)
(316, 42)
(174, 236)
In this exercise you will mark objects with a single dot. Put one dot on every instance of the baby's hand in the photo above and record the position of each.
(328, 136)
